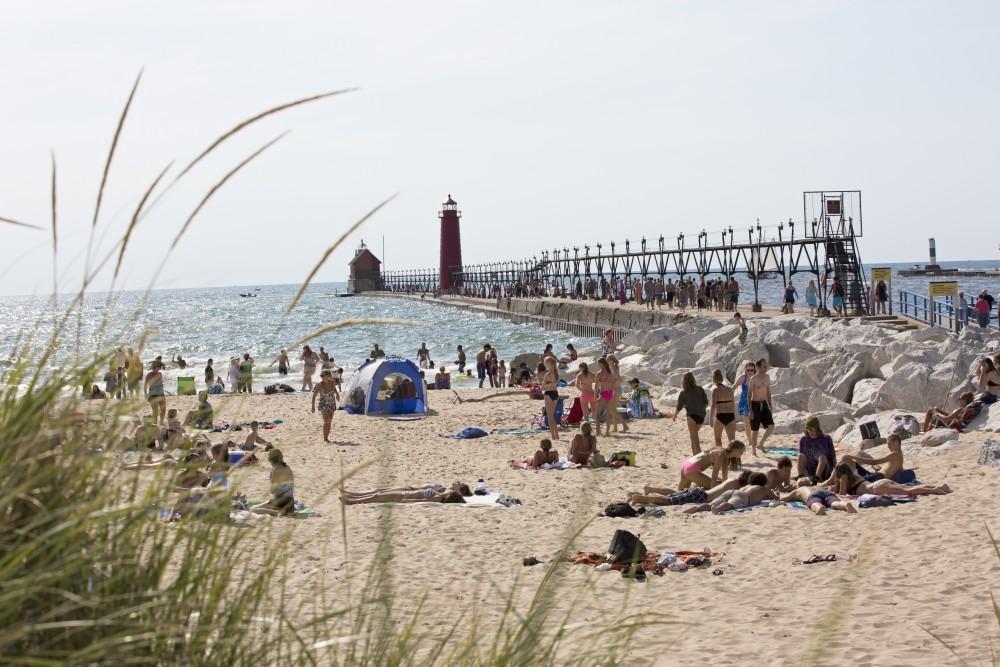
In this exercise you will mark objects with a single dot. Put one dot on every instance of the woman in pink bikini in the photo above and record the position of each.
(550, 389)
(605, 380)
(585, 383)
(721, 459)
(616, 390)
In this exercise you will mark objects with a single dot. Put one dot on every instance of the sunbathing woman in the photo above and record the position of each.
(584, 444)
(545, 454)
(652, 495)
(988, 381)
(818, 500)
(722, 412)
(429, 494)
(550, 387)
(720, 459)
(958, 418)
(282, 482)
(846, 481)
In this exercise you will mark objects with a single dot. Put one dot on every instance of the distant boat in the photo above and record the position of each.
(765, 275)
(246, 295)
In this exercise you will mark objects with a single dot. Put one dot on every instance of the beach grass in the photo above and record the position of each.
(91, 573)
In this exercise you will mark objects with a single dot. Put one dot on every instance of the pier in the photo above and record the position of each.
(823, 244)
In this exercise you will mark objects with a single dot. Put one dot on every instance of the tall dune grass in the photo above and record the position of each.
(91, 574)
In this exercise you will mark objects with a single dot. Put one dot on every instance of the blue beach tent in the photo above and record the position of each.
(384, 387)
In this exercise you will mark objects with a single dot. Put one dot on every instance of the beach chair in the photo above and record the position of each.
(558, 414)
(185, 386)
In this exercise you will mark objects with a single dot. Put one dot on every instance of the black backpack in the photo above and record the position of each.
(626, 548)
(620, 510)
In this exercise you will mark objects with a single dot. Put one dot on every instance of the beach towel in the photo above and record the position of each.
(649, 562)
(492, 499)
(467, 433)
(300, 510)
(782, 451)
(525, 464)
(516, 431)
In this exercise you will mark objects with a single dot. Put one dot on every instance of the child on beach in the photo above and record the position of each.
(743, 327)
(253, 438)
(583, 446)
(174, 431)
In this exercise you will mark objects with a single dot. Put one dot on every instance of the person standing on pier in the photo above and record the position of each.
(790, 295)
(812, 298)
(837, 292)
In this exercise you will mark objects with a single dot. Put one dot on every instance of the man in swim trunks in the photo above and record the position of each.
(818, 500)
(482, 364)
(892, 462)
(760, 406)
(754, 493)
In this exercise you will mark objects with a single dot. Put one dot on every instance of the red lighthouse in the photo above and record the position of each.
(451, 244)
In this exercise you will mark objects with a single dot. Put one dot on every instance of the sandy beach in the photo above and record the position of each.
(921, 567)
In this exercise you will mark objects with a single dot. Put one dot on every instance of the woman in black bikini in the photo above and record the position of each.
(988, 381)
(722, 413)
(550, 387)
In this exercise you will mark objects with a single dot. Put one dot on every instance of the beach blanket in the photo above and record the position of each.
(525, 464)
(649, 562)
(300, 511)
(467, 433)
(782, 451)
(517, 431)
(492, 499)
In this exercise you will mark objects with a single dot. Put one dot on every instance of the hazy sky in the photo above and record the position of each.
(551, 123)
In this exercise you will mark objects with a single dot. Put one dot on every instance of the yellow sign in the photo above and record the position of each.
(882, 273)
(943, 288)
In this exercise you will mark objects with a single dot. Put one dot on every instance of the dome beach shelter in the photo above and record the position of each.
(388, 386)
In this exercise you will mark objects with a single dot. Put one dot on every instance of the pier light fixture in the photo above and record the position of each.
(661, 241)
(612, 247)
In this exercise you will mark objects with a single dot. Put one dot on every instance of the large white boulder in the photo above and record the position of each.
(836, 373)
(916, 386)
(665, 359)
(780, 342)
(792, 422)
(798, 357)
(934, 438)
(636, 366)
(865, 390)
(646, 338)
(718, 338)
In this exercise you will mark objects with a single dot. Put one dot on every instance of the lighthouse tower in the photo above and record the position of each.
(451, 244)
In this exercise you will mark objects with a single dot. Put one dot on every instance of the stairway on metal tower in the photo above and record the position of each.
(844, 262)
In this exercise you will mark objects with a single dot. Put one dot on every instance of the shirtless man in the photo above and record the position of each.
(760, 406)
(752, 494)
(779, 478)
(424, 357)
(652, 495)
(893, 461)
(482, 364)
(818, 500)
(282, 361)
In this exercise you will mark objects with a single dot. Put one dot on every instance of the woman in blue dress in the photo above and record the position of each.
(743, 407)
(812, 298)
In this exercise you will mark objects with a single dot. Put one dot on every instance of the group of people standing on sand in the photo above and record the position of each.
(723, 408)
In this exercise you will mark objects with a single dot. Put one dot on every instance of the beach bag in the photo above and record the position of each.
(989, 453)
(627, 458)
(626, 548)
(597, 460)
(620, 510)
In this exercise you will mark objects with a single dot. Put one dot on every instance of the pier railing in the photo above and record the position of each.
(942, 313)
(581, 329)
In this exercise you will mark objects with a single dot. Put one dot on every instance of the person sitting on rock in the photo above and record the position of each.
(987, 381)
(817, 457)
(959, 418)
